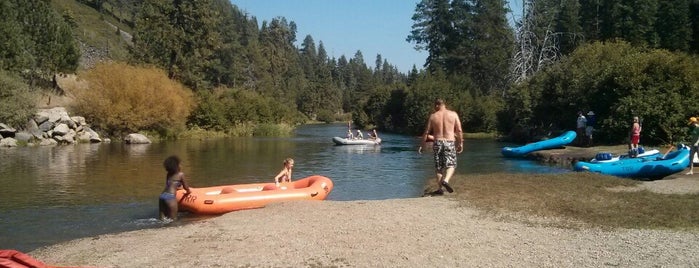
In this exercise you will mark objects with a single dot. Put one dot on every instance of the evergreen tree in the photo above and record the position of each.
(35, 38)
(676, 33)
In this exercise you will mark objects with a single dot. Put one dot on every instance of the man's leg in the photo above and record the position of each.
(447, 177)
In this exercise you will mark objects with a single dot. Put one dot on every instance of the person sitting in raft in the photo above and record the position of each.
(167, 203)
(359, 135)
(285, 174)
(349, 134)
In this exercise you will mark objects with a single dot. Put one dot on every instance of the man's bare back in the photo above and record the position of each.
(444, 125)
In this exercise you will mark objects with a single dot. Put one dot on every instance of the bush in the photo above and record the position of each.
(123, 98)
(224, 109)
(17, 102)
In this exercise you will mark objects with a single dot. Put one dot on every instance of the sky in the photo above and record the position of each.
(345, 26)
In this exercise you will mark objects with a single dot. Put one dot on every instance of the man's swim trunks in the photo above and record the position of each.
(444, 154)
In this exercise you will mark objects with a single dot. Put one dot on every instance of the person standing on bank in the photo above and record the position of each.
(591, 120)
(581, 124)
(445, 126)
(635, 135)
(694, 142)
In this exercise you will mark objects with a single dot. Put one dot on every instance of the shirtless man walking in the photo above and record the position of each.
(445, 128)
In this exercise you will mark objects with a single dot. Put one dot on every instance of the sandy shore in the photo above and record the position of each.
(418, 232)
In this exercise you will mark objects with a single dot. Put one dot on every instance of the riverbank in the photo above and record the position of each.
(491, 220)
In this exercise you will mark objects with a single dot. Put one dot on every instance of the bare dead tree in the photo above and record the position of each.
(533, 51)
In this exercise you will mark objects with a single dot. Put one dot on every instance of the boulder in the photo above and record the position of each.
(70, 136)
(68, 121)
(23, 136)
(41, 117)
(48, 142)
(83, 137)
(33, 128)
(60, 130)
(46, 126)
(55, 114)
(7, 131)
(8, 142)
(135, 138)
(79, 120)
(94, 137)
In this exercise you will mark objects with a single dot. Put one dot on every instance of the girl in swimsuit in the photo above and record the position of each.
(285, 174)
(167, 203)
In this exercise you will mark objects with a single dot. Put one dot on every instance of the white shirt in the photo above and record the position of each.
(582, 121)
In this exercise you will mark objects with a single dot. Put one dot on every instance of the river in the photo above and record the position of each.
(55, 194)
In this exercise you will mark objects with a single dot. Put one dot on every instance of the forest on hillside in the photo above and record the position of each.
(619, 58)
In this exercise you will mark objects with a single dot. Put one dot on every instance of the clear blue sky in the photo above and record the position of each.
(345, 26)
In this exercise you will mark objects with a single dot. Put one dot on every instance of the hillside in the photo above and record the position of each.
(97, 32)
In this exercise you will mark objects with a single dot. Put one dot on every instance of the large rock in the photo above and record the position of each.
(8, 142)
(7, 131)
(68, 121)
(83, 137)
(79, 120)
(61, 130)
(55, 114)
(94, 137)
(41, 117)
(70, 136)
(135, 138)
(46, 126)
(23, 136)
(33, 128)
(48, 142)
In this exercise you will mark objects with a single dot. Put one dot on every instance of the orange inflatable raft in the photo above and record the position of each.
(10, 258)
(227, 198)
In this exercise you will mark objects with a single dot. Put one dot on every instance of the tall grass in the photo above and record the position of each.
(577, 199)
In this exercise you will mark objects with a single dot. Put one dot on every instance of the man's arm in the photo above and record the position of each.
(458, 132)
(428, 128)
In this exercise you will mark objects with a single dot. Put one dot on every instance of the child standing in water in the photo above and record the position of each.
(173, 181)
(285, 174)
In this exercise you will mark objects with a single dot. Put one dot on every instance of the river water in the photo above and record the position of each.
(55, 194)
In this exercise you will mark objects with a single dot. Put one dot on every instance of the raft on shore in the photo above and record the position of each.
(651, 167)
(565, 138)
(226, 198)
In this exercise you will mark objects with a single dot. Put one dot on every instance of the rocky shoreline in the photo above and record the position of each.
(54, 126)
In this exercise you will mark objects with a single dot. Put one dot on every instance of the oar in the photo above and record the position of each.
(668, 151)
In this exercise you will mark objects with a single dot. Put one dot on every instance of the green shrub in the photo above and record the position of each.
(325, 116)
(17, 102)
(123, 98)
(273, 130)
(232, 110)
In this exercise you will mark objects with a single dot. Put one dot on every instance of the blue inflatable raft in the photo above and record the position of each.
(566, 138)
(651, 167)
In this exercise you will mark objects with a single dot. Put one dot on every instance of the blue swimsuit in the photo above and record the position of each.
(170, 196)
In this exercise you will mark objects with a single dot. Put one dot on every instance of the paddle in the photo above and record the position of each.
(668, 151)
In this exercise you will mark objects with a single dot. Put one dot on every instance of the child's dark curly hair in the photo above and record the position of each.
(172, 165)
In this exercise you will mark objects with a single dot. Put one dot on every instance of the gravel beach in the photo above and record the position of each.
(416, 232)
